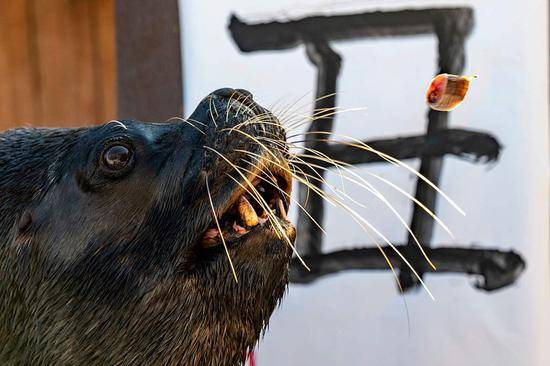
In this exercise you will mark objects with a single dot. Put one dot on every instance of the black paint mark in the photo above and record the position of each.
(451, 26)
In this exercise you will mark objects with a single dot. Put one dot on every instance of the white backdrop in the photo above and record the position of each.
(358, 318)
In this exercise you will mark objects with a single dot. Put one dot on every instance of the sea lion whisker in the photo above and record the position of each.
(318, 111)
(394, 248)
(394, 186)
(210, 111)
(215, 109)
(416, 201)
(259, 143)
(195, 121)
(263, 118)
(292, 108)
(294, 123)
(268, 172)
(259, 117)
(288, 109)
(321, 115)
(263, 158)
(370, 188)
(273, 107)
(290, 105)
(259, 199)
(307, 104)
(327, 159)
(215, 216)
(333, 188)
(279, 230)
(229, 104)
(390, 265)
(365, 224)
(118, 123)
(294, 167)
(347, 167)
(293, 173)
(188, 122)
(253, 192)
(319, 177)
(295, 119)
(361, 145)
(242, 104)
(265, 121)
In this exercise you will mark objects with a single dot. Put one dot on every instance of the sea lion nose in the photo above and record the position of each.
(245, 93)
(230, 92)
(224, 92)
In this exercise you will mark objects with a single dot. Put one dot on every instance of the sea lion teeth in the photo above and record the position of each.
(247, 212)
(282, 209)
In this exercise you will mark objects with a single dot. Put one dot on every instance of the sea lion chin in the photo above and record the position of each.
(111, 254)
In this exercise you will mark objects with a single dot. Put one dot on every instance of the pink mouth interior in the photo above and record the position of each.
(249, 211)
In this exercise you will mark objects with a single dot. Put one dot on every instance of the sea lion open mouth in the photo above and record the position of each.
(251, 212)
(144, 243)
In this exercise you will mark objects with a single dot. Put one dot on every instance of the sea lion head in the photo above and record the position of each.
(110, 252)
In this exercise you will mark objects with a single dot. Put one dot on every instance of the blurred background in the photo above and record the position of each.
(80, 62)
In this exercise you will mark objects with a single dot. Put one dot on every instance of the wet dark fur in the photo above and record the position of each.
(103, 270)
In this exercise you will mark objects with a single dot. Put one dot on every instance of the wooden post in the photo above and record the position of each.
(149, 76)
(57, 63)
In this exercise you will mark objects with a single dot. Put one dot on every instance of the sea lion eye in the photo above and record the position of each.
(117, 157)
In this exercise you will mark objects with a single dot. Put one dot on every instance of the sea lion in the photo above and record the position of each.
(110, 253)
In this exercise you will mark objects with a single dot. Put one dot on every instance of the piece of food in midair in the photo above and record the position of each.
(446, 91)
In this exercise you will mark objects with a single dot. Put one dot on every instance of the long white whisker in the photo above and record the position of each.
(215, 216)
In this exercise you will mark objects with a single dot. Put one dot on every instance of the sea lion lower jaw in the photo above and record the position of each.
(111, 246)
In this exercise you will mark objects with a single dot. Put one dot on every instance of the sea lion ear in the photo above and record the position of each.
(25, 221)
